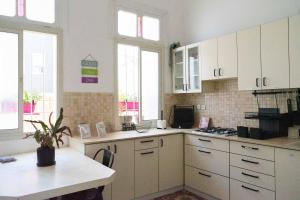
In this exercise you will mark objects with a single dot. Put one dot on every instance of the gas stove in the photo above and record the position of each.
(218, 131)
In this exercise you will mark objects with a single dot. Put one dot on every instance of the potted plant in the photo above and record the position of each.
(29, 102)
(46, 136)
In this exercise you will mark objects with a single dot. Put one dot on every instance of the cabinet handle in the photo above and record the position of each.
(253, 148)
(147, 141)
(207, 175)
(220, 72)
(116, 148)
(207, 152)
(108, 147)
(249, 161)
(251, 189)
(202, 140)
(252, 176)
(264, 81)
(146, 153)
(215, 72)
(257, 82)
(161, 142)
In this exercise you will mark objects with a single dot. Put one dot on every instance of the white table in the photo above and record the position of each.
(23, 180)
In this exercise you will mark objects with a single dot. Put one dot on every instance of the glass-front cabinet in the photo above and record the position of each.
(179, 80)
(186, 69)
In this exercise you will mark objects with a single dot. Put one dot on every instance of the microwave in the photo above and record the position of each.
(183, 116)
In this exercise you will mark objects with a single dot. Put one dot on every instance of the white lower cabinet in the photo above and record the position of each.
(122, 187)
(208, 183)
(287, 167)
(170, 161)
(243, 191)
(146, 172)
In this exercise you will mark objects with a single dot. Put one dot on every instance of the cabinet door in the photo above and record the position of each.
(146, 172)
(249, 62)
(123, 184)
(179, 82)
(90, 151)
(274, 55)
(287, 169)
(193, 68)
(227, 56)
(294, 51)
(170, 162)
(209, 59)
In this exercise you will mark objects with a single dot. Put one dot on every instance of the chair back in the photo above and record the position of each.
(108, 157)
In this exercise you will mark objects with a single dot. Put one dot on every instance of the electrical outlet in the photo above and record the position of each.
(198, 107)
(203, 107)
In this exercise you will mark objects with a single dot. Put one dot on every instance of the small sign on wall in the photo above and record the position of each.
(89, 70)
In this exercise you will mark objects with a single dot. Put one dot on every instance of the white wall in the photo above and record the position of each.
(210, 18)
(89, 28)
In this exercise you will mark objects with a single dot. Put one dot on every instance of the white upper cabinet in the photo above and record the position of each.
(227, 56)
(249, 60)
(193, 69)
(275, 55)
(179, 80)
(209, 58)
(294, 51)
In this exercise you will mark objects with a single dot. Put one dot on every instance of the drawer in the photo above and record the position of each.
(207, 142)
(207, 159)
(206, 182)
(252, 150)
(253, 164)
(239, 190)
(254, 178)
(146, 143)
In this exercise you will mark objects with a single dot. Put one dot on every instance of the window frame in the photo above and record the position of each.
(143, 46)
(24, 19)
(9, 26)
(140, 13)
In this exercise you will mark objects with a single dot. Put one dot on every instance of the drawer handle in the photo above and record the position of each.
(202, 140)
(207, 175)
(252, 176)
(252, 148)
(146, 153)
(204, 151)
(147, 141)
(249, 161)
(251, 189)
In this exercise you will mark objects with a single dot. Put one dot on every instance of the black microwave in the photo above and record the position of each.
(184, 116)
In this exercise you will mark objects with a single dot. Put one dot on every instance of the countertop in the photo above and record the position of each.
(282, 142)
(23, 180)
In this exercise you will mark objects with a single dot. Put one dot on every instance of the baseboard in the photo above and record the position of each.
(159, 194)
(199, 194)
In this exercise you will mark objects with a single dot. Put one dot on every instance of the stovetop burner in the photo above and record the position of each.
(218, 131)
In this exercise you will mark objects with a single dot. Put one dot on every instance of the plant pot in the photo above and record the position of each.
(45, 156)
(28, 107)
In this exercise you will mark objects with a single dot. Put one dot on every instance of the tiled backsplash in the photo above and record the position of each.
(225, 105)
(88, 108)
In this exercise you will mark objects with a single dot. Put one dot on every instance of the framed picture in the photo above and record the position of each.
(84, 130)
(101, 130)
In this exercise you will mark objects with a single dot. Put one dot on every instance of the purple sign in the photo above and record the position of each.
(89, 79)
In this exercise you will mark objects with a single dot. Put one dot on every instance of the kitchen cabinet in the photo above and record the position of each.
(227, 56)
(90, 151)
(170, 161)
(275, 54)
(294, 45)
(249, 59)
(186, 69)
(146, 172)
(219, 58)
(209, 59)
(122, 187)
(179, 76)
(287, 168)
